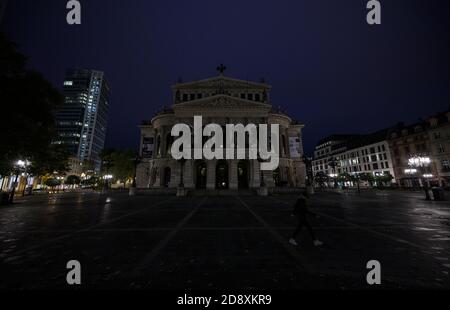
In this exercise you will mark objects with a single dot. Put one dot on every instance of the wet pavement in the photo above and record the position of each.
(224, 242)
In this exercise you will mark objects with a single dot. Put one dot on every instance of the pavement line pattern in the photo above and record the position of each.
(18, 204)
(300, 262)
(34, 247)
(362, 228)
(313, 270)
(146, 261)
(249, 228)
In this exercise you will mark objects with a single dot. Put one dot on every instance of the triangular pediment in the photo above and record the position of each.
(222, 82)
(222, 101)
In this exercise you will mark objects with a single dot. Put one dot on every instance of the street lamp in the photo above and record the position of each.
(357, 177)
(263, 191)
(333, 177)
(106, 163)
(19, 166)
(107, 178)
(421, 163)
(136, 162)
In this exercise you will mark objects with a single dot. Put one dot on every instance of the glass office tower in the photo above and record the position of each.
(82, 119)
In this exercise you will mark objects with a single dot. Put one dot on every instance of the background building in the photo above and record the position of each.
(82, 119)
(406, 142)
(416, 155)
(439, 135)
(422, 152)
(354, 154)
(219, 100)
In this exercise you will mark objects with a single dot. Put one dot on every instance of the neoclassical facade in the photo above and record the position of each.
(219, 100)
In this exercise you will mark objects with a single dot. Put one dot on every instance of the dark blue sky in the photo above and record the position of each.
(328, 68)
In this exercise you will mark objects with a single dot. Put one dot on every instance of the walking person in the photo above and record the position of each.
(301, 212)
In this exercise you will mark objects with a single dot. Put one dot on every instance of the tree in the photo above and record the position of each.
(53, 160)
(52, 182)
(28, 126)
(123, 165)
(92, 181)
(88, 167)
(356, 178)
(321, 178)
(344, 177)
(106, 156)
(73, 180)
(367, 177)
(384, 179)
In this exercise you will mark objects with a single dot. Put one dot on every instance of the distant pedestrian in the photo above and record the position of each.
(301, 212)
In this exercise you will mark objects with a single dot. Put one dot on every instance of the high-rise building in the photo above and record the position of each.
(82, 119)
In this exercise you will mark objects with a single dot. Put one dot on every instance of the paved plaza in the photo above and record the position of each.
(164, 242)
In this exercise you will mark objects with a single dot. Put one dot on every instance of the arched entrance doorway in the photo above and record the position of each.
(243, 174)
(167, 175)
(200, 175)
(222, 175)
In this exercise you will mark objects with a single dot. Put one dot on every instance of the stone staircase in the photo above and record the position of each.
(156, 191)
(228, 192)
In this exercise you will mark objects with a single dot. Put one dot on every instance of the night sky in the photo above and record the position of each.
(328, 67)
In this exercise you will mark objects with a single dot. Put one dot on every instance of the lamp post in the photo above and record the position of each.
(136, 162)
(357, 178)
(421, 163)
(333, 177)
(106, 177)
(309, 175)
(263, 191)
(19, 166)
(25, 166)
(333, 164)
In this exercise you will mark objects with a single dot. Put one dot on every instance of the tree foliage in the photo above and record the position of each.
(28, 125)
(52, 182)
(384, 179)
(321, 178)
(73, 180)
(123, 165)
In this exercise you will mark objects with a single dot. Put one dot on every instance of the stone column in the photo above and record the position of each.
(211, 174)
(300, 168)
(157, 133)
(255, 174)
(175, 174)
(233, 174)
(288, 150)
(268, 178)
(163, 133)
(189, 174)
